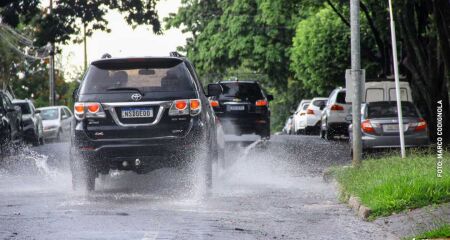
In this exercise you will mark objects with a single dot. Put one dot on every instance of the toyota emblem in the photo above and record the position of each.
(136, 97)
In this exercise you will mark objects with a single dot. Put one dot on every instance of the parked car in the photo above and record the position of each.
(299, 116)
(333, 120)
(10, 120)
(379, 126)
(310, 123)
(288, 128)
(56, 121)
(33, 130)
(243, 108)
(142, 114)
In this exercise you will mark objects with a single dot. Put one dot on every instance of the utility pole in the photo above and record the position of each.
(52, 66)
(85, 47)
(356, 73)
(397, 82)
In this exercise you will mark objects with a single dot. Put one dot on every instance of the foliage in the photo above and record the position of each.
(321, 52)
(69, 16)
(392, 184)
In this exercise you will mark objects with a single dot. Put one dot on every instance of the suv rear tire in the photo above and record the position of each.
(83, 175)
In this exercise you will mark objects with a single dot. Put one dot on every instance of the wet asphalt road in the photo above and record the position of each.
(270, 190)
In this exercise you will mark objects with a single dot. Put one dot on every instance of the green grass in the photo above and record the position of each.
(441, 232)
(391, 184)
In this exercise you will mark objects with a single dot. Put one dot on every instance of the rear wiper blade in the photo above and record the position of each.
(125, 88)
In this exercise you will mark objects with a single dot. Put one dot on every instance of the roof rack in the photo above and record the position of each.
(176, 54)
(106, 55)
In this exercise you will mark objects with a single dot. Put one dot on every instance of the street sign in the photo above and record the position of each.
(350, 89)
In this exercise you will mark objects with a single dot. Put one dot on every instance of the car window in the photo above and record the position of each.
(25, 107)
(244, 91)
(49, 114)
(393, 94)
(389, 110)
(67, 112)
(374, 94)
(146, 76)
(340, 97)
(305, 106)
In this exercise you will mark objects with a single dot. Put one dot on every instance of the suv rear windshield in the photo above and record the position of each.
(244, 91)
(25, 107)
(389, 110)
(340, 98)
(147, 75)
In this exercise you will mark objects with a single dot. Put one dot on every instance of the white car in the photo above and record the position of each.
(310, 121)
(333, 116)
(299, 116)
(56, 121)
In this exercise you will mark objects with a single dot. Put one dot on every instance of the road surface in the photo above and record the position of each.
(271, 190)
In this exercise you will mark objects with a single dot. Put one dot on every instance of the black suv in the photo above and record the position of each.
(141, 114)
(10, 120)
(243, 108)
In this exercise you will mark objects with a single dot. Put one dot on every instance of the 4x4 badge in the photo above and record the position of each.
(136, 97)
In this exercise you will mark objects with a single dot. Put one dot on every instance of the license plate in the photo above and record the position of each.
(137, 112)
(236, 108)
(393, 127)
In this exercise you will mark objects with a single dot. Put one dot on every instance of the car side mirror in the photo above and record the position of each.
(348, 119)
(270, 97)
(214, 89)
(75, 93)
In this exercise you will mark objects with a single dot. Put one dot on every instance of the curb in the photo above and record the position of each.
(353, 202)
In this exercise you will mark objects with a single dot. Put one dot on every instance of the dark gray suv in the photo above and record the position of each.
(141, 114)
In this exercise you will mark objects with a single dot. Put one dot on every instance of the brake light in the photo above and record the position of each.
(367, 127)
(88, 110)
(214, 103)
(78, 108)
(195, 104)
(421, 125)
(310, 111)
(336, 107)
(181, 104)
(93, 107)
(261, 103)
(185, 107)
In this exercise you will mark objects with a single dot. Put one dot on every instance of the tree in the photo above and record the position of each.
(69, 16)
(321, 52)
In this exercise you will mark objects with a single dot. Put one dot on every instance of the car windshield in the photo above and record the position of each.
(49, 114)
(341, 97)
(389, 110)
(244, 91)
(319, 103)
(25, 107)
(145, 76)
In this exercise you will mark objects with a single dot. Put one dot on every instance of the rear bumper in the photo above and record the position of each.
(151, 153)
(416, 140)
(245, 125)
(338, 127)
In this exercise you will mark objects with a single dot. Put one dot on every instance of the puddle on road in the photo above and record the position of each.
(251, 168)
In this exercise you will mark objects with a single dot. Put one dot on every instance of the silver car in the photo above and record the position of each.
(56, 121)
(379, 126)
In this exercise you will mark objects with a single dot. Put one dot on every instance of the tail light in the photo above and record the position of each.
(336, 107)
(367, 127)
(261, 103)
(196, 106)
(88, 110)
(420, 126)
(185, 107)
(310, 111)
(214, 103)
